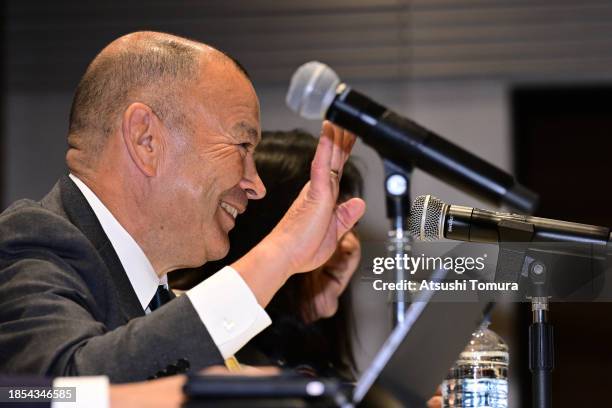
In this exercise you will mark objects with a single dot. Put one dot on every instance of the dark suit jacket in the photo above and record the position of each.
(68, 308)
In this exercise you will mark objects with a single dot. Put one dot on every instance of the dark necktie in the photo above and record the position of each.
(162, 296)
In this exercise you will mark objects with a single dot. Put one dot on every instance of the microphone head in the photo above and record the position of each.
(426, 221)
(312, 90)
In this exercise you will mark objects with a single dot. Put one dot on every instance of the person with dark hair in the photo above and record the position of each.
(311, 313)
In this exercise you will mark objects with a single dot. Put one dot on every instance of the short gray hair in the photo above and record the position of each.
(153, 70)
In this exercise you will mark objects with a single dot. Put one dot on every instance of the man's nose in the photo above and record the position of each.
(251, 184)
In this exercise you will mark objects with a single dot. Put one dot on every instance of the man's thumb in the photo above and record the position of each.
(348, 213)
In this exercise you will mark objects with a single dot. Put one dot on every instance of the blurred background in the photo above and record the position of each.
(525, 84)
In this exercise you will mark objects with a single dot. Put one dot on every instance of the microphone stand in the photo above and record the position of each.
(399, 241)
(514, 263)
(541, 353)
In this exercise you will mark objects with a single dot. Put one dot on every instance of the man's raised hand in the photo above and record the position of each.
(314, 223)
(309, 232)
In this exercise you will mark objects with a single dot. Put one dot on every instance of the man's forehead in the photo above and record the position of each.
(229, 93)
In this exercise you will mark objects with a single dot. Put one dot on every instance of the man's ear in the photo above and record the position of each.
(143, 137)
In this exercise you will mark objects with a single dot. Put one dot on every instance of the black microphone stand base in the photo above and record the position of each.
(515, 257)
(541, 353)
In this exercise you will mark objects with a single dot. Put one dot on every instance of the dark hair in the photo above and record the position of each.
(283, 161)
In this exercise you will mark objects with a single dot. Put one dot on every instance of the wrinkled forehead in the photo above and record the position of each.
(224, 89)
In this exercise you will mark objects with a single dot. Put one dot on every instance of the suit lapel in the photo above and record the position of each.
(82, 216)
(172, 295)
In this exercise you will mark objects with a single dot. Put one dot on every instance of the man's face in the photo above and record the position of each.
(212, 173)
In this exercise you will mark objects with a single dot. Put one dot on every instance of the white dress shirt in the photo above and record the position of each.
(225, 303)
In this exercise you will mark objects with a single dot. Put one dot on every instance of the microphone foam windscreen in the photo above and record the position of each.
(312, 90)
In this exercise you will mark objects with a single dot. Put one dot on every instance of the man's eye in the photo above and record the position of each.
(245, 146)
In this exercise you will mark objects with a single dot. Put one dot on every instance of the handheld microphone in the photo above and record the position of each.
(316, 93)
(431, 219)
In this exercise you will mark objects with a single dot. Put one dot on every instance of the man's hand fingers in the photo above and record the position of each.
(333, 150)
(435, 402)
(343, 144)
(244, 370)
(338, 156)
(259, 371)
(348, 213)
(350, 143)
(321, 164)
(215, 370)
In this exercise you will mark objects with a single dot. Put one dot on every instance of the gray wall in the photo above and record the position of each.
(35, 136)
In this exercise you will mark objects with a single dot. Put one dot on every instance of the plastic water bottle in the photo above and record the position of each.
(480, 377)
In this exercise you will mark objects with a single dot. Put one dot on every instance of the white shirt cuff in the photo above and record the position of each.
(91, 392)
(229, 310)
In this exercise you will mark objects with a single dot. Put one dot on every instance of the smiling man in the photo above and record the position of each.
(161, 139)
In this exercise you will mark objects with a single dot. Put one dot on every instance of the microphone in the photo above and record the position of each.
(317, 93)
(431, 219)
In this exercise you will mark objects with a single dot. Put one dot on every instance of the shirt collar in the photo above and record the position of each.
(137, 266)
